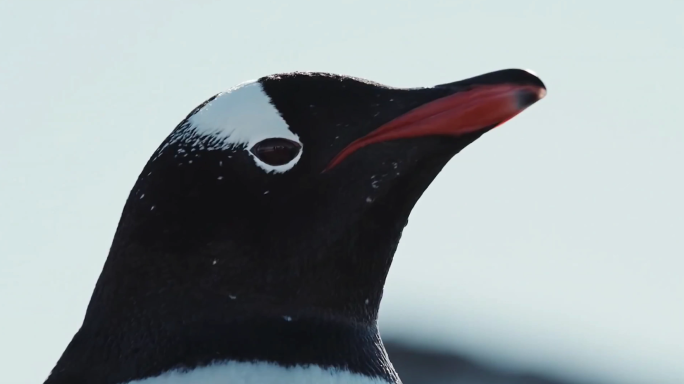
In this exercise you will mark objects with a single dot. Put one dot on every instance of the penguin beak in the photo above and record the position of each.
(478, 103)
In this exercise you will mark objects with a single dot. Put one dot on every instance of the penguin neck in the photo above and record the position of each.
(166, 302)
(156, 348)
(245, 372)
(155, 311)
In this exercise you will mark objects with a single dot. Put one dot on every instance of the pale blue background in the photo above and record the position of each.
(553, 243)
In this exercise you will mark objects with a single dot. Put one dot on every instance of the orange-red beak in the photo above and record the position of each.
(479, 107)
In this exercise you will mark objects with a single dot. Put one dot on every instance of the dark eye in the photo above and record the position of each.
(276, 151)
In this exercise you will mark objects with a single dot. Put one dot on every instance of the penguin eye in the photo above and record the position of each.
(276, 151)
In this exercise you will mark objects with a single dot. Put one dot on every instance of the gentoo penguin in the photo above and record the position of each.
(255, 244)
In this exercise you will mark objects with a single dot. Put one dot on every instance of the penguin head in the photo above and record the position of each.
(293, 190)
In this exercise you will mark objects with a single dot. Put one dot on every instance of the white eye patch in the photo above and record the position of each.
(244, 116)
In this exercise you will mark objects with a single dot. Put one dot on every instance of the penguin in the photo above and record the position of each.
(255, 244)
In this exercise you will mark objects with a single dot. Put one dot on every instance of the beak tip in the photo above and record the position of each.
(542, 93)
(527, 97)
(530, 96)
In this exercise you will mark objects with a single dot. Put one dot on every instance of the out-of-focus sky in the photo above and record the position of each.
(554, 242)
